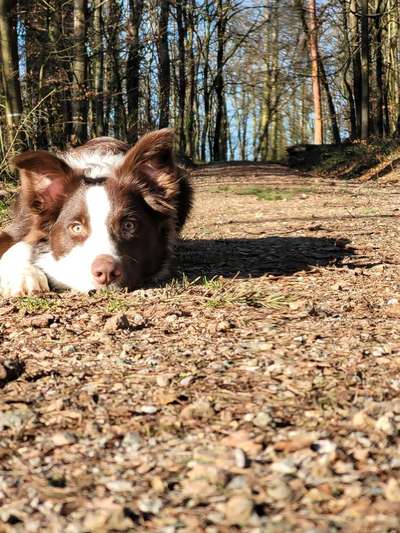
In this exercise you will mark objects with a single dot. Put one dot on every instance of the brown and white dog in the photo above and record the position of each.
(95, 216)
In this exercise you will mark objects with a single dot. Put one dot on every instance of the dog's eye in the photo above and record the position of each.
(128, 227)
(76, 228)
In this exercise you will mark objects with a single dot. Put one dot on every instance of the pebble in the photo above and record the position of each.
(119, 486)
(138, 321)
(163, 381)
(116, 322)
(241, 460)
(262, 420)
(386, 424)
(392, 491)
(224, 325)
(188, 380)
(324, 446)
(279, 490)
(361, 420)
(238, 510)
(148, 409)
(3, 372)
(63, 438)
(42, 321)
(15, 419)
(287, 466)
(132, 441)
(150, 505)
(200, 409)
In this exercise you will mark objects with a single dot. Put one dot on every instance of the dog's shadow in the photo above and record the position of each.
(244, 258)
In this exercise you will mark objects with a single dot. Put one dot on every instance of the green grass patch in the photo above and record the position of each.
(3, 210)
(34, 304)
(115, 302)
(268, 194)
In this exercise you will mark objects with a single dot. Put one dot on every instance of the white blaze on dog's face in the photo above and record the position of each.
(80, 242)
(94, 230)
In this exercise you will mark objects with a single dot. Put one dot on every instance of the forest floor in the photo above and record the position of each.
(257, 392)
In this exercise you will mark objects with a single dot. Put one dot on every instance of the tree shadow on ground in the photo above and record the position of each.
(281, 256)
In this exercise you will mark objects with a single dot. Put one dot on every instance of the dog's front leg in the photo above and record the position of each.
(18, 276)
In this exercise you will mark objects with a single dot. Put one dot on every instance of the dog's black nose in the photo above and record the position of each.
(106, 270)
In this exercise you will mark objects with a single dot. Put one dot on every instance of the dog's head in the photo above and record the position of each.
(102, 215)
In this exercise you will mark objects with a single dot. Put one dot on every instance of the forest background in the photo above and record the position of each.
(237, 79)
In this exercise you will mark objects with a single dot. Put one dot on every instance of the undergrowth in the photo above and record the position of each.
(371, 159)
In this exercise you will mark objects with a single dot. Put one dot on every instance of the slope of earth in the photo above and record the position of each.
(256, 391)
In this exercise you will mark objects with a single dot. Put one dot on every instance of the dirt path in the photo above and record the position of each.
(257, 393)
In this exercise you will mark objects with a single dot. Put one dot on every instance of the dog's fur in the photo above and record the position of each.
(97, 215)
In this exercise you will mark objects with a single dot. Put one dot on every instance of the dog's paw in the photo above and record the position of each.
(18, 277)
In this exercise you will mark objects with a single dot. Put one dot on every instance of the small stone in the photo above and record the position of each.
(392, 301)
(392, 491)
(150, 505)
(279, 490)
(132, 441)
(42, 321)
(138, 321)
(116, 322)
(386, 424)
(188, 380)
(361, 420)
(163, 381)
(210, 473)
(158, 484)
(241, 460)
(324, 446)
(148, 409)
(63, 438)
(223, 326)
(262, 420)
(286, 466)
(15, 419)
(119, 486)
(199, 489)
(3, 373)
(109, 518)
(238, 510)
(201, 409)
(243, 440)
(69, 349)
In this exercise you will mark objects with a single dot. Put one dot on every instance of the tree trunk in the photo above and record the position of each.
(133, 69)
(164, 67)
(218, 149)
(79, 73)
(347, 83)
(331, 104)
(181, 6)
(10, 73)
(316, 86)
(379, 68)
(191, 92)
(364, 37)
(356, 60)
(98, 69)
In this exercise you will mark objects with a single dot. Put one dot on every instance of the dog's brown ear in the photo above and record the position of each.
(149, 167)
(46, 179)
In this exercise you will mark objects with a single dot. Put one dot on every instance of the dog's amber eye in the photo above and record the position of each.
(128, 226)
(76, 228)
